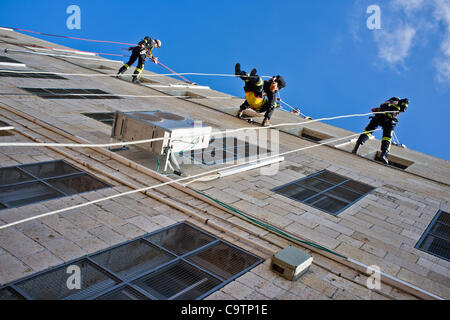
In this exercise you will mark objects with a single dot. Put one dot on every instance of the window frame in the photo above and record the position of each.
(428, 232)
(46, 181)
(124, 282)
(325, 191)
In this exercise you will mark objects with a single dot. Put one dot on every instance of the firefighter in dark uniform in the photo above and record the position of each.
(387, 121)
(260, 95)
(142, 51)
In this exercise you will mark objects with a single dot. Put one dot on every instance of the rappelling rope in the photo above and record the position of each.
(119, 144)
(196, 176)
(114, 74)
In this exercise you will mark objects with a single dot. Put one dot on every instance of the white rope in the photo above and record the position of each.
(199, 175)
(119, 144)
(123, 74)
(113, 95)
(60, 55)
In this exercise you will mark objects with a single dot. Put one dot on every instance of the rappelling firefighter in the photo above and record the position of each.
(260, 95)
(142, 51)
(388, 119)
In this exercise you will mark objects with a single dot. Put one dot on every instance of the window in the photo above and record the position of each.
(26, 184)
(180, 262)
(6, 61)
(223, 150)
(395, 161)
(436, 239)
(312, 135)
(5, 132)
(55, 93)
(104, 117)
(326, 191)
(22, 74)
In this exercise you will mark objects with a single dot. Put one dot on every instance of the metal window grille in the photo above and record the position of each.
(436, 239)
(150, 267)
(326, 191)
(34, 75)
(30, 183)
(225, 149)
(58, 93)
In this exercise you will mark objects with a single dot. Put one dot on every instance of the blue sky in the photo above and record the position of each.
(333, 63)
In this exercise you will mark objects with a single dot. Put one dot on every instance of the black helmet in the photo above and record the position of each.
(393, 99)
(281, 82)
(403, 104)
(148, 39)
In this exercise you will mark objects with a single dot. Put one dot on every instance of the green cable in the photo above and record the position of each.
(269, 227)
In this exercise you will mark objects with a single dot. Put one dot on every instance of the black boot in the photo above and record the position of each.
(385, 146)
(266, 123)
(121, 70)
(237, 69)
(361, 140)
(384, 156)
(356, 148)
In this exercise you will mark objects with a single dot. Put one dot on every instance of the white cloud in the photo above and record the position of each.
(442, 63)
(408, 5)
(408, 23)
(394, 47)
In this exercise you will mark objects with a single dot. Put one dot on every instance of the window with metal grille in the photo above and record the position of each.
(180, 262)
(225, 149)
(104, 117)
(436, 239)
(36, 75)
(58, 93)
(30, 183)
(326, 191)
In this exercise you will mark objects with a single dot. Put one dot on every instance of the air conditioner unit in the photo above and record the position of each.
(179, 134)
(291, 263)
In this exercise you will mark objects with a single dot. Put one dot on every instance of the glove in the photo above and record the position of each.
(130, 48)
(375, 109)
(155, 60)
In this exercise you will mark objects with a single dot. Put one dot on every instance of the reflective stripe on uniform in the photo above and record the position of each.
(126, 66)
(367, 134)
(139, 71)
(386, 139)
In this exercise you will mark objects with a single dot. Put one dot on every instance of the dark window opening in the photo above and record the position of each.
(395, 161)
(104, 117)
(31, 183)
(436, 239)
(58, 93)
(326, 191)
(5, 132)
(315, 136)
(8, 60)
(35, 75)
(143, 269)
